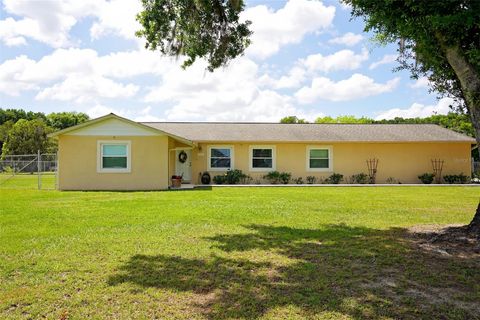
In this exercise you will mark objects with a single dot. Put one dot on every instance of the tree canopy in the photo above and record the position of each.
(208, 29)
(27, 137)
(21, 132)
(437, 39)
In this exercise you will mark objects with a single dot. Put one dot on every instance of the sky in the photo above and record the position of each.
(307, 58)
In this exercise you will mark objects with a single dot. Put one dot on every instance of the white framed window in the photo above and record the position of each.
(319, 158)
(220, 158)
(262, 158)
(114, 156)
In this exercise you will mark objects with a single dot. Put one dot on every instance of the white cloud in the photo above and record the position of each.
(348, 39)
(45, 21)
(11, 82)
(116, 17)
(136, 114)
(145, 115)
(50, 21)
(80, 69)
(231, 94)
(387, 59)
(418, 110)
(293, 79)
(341, 60)
(82, 89)
(101, 110)
(288, 25)
(355, 87)
(420, 83)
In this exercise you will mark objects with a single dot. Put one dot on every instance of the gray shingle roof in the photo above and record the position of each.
(277, 132)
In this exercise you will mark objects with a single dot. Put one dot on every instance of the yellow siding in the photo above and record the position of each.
(77, 157)
(402, 161)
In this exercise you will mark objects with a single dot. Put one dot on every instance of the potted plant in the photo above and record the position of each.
(176, 181)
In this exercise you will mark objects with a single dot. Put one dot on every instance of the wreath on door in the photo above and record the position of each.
(182, 157)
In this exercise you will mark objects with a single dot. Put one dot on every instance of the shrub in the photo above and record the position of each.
(231, 177)
(234, 176)
(219, 179)
(285, 177)
(311, 179)
(272, 176)
(392, 180)
(335, 178)
(455, 178)
(298, 180)
(360, 178)
(426, 178)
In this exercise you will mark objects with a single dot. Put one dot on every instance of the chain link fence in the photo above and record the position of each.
(29, 171)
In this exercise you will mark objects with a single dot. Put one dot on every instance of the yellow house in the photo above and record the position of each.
(114, 153)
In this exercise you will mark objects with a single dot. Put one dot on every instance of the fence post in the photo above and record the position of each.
(39, 170)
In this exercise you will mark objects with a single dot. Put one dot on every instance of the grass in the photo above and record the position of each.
(27, 181)
(269, 253)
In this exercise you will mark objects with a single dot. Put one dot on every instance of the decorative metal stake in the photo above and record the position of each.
(372, 165)
(437, 165)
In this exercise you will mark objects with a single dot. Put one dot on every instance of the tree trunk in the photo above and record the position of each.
(474, 226)
(470, 83)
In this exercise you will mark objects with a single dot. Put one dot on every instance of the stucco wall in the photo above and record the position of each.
(77, 156)
(402, 161)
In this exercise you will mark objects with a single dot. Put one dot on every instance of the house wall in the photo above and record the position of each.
(402, 161)
(77, 156)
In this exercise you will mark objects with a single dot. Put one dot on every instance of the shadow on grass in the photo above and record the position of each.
(336, 271)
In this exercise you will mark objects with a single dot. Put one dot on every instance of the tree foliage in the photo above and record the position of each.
(23, 137)
(292, 119)
(208, 29)
(62, 120)
(437, 39)
(344, 119)
(17, 114)
(27, 137)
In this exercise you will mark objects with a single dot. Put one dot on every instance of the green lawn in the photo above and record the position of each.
(270, 253)
(27, 181)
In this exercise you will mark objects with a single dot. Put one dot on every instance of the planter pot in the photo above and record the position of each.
(176, 183)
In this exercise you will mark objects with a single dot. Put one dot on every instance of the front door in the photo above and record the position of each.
(183, 164)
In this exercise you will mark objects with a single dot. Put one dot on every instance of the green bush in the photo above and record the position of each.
(311, 179)
(219, 179)
(335, 178)
(426, 178)
(231, 177)
(298, 180)
(455, 178)
(285, 177)
(273, 177)
(360, 178)
(392, 180)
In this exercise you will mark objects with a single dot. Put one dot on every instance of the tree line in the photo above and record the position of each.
(26, 132)
(458, 122)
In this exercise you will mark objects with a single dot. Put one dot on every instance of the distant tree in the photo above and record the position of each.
(458, 122)
(17, 114)
(4, 130)
(62, 120)
(292, 119)
(27, 137)
(343, 119)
